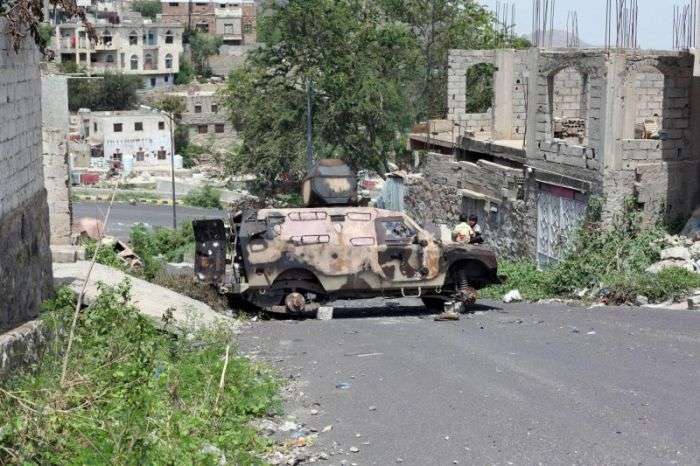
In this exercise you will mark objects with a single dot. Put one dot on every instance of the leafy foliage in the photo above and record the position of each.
(110, 91)
(185, 74)
(203, 46)
(361, 68)
(147, 8)
(159, 246)
(135, 395)
(610, 260)
(374, 68)
(206, 197)
(480, 88)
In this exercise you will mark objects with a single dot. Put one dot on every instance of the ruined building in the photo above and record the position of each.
(564, 126)
(25, 257)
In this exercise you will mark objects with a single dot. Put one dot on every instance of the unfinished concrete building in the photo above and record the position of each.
(564, 125)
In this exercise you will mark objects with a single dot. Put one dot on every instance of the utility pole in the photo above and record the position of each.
(309, 129)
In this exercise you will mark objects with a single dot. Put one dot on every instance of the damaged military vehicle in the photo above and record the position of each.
(293, 260)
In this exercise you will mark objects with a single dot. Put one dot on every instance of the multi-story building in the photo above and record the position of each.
(232, 20)
(206, 119)
(126, 43)
(141, 135)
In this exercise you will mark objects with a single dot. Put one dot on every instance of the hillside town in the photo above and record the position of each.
(339, 232)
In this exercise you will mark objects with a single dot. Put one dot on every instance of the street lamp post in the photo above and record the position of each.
(171, 118)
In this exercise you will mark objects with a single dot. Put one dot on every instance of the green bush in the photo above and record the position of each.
(133, 394)
(207, 197)
(147, 8)
(611, 261)
(161, 245)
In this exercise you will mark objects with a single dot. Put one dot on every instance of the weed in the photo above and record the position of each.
(207, 197)
(134, 394)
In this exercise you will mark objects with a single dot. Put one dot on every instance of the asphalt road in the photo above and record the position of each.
(511, 384)
(125, 216)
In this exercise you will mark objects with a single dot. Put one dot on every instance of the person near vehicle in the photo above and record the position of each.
(462, 232)
(473, 222)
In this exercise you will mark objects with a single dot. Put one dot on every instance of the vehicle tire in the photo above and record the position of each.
(434, 304)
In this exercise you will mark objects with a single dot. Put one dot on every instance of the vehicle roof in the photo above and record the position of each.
(339, 210)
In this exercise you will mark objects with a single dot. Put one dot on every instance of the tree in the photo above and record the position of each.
(441, 25)
(176, 106)
(203, 46)
(362, 70)
(110, 91)
(185, 74)
(147, 8)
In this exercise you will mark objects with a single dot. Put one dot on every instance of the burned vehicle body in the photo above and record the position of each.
(292, 259)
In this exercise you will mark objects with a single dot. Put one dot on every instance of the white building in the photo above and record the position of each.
(140, 135)
(127, 43)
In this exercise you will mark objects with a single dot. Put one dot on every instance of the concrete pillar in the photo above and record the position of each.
(532, 89)
(613, 112)
(503, 90)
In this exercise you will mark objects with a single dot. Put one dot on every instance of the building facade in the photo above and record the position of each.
(565, 126)
(126, 43)
(232, 20)
(141, 136)
(205, 117)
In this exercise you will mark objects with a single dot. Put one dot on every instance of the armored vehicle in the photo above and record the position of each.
(294, 259)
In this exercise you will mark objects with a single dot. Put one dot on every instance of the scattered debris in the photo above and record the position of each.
(327, 429)
(324, 313)
(512, 296)
(342, 386)
(354, 449)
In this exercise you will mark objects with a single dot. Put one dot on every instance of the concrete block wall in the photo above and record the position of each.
(439, 196)
(507, 118)
(662, 175)
(569, 94)
(57, 184)
(25, 258)
(519, 95)
(572, 84)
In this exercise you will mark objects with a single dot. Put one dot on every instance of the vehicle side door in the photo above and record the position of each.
(398, 253)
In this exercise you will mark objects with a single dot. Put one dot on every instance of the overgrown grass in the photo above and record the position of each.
(133, 394)
(608, 262)
(155, 248)
(207, 197)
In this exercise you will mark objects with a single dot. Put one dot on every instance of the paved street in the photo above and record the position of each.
(124, 216)
(511, 384)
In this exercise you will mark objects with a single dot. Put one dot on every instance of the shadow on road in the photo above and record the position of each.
(389, 309)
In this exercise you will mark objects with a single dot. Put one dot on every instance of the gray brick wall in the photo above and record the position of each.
(25, 259)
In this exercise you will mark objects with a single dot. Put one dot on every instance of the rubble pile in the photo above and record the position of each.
(678, 251)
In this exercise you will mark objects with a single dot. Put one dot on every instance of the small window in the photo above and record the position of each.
(140, 156)
(94, 126)
(133, 38)
(134, 62)
(161, 125)
(153, 82)
(117, 127)
(174, 4)
(247, 28)
(166, 78)
(395, 231)
(161, 155)
(222, 5)
(168, 37)
(197, 109)
(168, 61)
(214, 108)
(110, 58)
(219, 128)
(202, 129)
(138, 126)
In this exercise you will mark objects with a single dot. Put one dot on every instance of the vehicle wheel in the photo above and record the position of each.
(434, 304)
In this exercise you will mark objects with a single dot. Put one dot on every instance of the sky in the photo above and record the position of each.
(655, 20)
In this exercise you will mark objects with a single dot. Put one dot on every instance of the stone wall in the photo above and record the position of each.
(25, 258)
(55, 123)
(493, 192)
